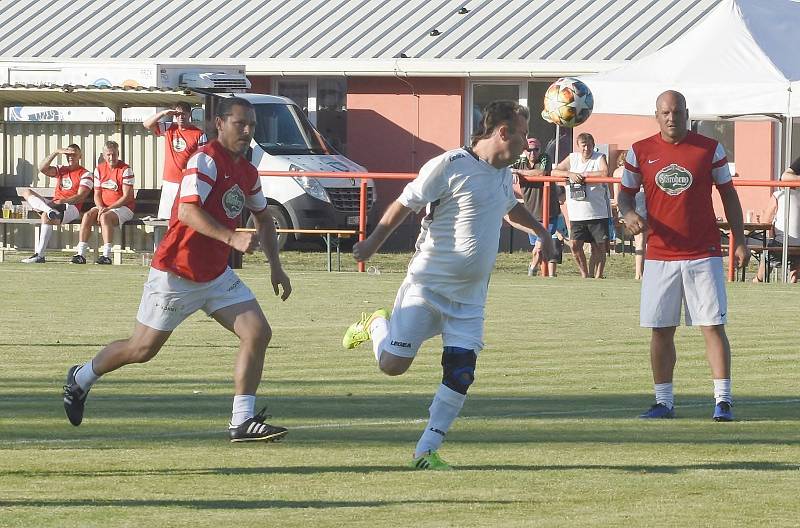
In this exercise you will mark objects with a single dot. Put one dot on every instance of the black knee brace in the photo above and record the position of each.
(458, 368)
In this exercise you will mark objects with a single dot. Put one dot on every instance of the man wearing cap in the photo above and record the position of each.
(534, 162)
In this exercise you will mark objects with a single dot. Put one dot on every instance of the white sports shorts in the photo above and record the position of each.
(698, 285)
(168, 299)
(123, 214)
(419, 314)
(169, 191)
(71, 213)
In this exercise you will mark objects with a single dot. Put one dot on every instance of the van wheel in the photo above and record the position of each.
(281, 222)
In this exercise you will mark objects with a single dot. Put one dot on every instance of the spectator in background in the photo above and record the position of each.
(181, 140)
(588, 205)
(639, 239)
(776, 213)
(73, 185)
(564, 146)
(535, 163)
(114, 203)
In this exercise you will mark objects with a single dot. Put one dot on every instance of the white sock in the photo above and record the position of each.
(244, 408)
(38, 204)
(82, 248)
(664, 394)
(722, 390)
(85, 377)
(106, 250)
(44, 239)
(443, 411)
(378, 330)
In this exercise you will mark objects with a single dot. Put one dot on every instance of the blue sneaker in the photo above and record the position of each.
(723, 412)
(658, 410)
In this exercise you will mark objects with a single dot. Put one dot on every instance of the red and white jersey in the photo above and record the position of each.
(222, 187)
(69, 181)
(677, 180)
(179, 145)
(110, 182)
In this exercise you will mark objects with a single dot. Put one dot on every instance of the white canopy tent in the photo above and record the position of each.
(740, 61)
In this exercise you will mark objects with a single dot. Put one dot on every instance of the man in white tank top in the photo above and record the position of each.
(588, 205)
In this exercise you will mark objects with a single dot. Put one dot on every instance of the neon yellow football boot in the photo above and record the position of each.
(358, 332)
(430, 460)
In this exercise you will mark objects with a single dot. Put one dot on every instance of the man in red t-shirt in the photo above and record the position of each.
(181, 140)
(678, 169)
(114, 203)
(73, 186)
(190, 273)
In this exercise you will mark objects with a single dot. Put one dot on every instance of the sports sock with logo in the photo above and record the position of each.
(722, 390)
(444, 409)
(664, 394)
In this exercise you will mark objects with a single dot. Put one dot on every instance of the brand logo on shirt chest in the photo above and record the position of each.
(674, 179)
(233, 201)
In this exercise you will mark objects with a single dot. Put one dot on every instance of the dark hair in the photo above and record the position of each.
(73, 146)
(111, 145)
(226, 104)
(183, 106)
(495, 114)
(585, 137)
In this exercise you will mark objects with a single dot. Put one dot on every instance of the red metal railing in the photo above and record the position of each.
(364, 176)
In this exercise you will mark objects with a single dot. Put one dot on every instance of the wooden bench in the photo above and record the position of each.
(147, 201)
(236, 256)
(762, 253)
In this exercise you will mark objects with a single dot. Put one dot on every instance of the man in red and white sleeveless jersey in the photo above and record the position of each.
(114, 203)
(73, 186)
(190, 272)
(678, 169)
(181, 140)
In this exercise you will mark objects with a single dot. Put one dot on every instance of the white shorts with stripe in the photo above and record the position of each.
(419, 314)
(698, 285)
(169, 191)
(123, 214)
(71, 213)
(167, 299)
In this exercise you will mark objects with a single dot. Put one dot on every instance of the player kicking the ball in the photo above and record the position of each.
(190, 272)
(466, 192)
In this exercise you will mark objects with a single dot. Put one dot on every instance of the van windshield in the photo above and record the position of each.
(285, 129)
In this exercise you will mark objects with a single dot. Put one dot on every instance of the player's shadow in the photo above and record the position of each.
(236, 505)
(748, 465)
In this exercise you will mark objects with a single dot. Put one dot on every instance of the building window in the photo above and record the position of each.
(483, 94)
(323, 99)
(722, 131)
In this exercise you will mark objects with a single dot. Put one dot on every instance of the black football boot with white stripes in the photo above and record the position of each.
(256, 429)
(74, 397)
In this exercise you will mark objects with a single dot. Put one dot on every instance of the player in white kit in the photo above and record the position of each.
(466, 192)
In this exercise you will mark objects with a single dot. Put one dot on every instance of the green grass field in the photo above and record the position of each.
(548, 436)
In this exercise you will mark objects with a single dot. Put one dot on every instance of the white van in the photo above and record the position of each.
(285, 140)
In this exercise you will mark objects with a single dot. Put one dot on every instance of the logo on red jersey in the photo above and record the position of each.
(178, 144)
(110, 185)
(233, 201)
(674, 179)
(66, 183)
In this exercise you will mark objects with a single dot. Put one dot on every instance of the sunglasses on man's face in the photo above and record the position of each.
(534, 149)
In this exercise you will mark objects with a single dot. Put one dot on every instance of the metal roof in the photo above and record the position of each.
(108, 96)
(349, 36)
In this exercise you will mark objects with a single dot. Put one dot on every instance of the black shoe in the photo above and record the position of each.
(74, 397)
(78, 259)
(34, 259)
(56, 215)
(103, 260)
(256, 429)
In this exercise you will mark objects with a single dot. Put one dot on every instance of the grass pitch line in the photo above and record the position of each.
(349, 425)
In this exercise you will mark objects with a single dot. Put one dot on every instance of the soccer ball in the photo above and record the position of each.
(568, 102)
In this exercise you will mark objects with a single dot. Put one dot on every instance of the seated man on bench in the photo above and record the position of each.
(73, 185)
(776, 213)
(114, 202)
